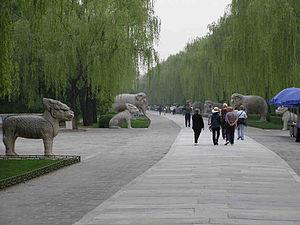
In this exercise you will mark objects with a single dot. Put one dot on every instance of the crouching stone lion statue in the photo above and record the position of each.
(36, 127)
(252, 104)
(123, 116)
(287, 116)
(139, 100)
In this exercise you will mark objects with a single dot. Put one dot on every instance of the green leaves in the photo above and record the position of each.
(254, 49)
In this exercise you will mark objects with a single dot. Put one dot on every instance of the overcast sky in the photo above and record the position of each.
(184, 20)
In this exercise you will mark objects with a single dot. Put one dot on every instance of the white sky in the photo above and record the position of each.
(184, 20)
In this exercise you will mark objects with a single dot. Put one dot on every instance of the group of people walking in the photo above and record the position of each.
(225, 120)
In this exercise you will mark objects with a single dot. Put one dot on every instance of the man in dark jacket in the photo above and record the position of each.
(214, 123)
(198, 125)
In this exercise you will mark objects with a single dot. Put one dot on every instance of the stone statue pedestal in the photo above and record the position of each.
(69, 125)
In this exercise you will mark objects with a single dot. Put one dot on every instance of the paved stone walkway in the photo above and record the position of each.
(111, 158)
(245, 184)
(279, 142)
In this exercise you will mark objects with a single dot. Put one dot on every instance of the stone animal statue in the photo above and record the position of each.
(198, 105)
(287, 116)
(123, 116)
(139, 100)
(252, 104)
(36, 127)
(209, 105)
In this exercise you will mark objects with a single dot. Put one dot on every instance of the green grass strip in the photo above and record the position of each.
(11, 168)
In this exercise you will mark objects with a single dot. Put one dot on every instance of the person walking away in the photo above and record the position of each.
(197, 125)
(214, 122)
(160, 109)
(223, 122)
(231, 121)
(241, 123)
(187, 115)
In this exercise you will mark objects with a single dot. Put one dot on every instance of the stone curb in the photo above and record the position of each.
(62, 161)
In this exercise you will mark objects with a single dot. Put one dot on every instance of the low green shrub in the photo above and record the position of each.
(274, 123)
(104, 119)
(138, 122)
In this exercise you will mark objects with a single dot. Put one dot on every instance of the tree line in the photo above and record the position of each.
(254, 48)
(82, 52)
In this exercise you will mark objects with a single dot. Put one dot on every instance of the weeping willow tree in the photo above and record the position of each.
(82, 51)
(253, 49)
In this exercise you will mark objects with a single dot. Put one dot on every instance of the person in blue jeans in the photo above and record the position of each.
(241, 123)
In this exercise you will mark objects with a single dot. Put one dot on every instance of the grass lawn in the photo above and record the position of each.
(13, 167)
(274, 123)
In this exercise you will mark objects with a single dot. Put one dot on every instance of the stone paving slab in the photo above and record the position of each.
(111, 158)
(241, 184)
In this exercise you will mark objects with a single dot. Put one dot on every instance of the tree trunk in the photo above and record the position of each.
(73, 93)
(88, 106)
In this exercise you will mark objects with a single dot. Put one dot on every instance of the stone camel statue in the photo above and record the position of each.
(36, 127)
(123, 116)
(287, 116)
(139, 100)
(252, 104)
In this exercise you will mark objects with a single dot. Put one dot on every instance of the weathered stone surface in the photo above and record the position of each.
(252, 104)
(139, 100)
(124, 116)
(221, 184)
(36, 127)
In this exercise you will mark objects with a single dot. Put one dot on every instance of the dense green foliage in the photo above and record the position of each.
(78, 51)
(10, 168)
(253, 49)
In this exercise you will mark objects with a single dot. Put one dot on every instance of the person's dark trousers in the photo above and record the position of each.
(215, 135)
(196, 135)
(187, 119)
(230, 133)
(298, 135)
(224, 132)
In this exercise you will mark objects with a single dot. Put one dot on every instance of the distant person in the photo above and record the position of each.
(187, 115)
(231, 122)
(174, 110)
(160, 109)
(241, 123)
(298, 132)
(197, 125)
(223, 121)
(214, 121)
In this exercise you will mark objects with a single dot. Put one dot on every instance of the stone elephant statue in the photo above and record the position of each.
(139, 100)
(252, 104)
